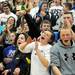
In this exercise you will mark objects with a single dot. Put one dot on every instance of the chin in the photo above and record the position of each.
(66, 43)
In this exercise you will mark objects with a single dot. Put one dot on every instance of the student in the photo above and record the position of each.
(40, 57)
(20, 64)
(6, 13)
(8, 53)
(63, 52)
(46, 25)
(21, 60)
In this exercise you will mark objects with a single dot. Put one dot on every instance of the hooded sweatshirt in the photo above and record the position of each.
(64, 58)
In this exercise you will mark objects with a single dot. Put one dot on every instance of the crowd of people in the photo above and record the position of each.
(37, 37)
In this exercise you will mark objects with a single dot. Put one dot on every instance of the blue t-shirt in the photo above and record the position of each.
(9, 51)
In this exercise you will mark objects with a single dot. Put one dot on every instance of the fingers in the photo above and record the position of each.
(36, 44)
(5, 72)
(1, 67)
(16, 71)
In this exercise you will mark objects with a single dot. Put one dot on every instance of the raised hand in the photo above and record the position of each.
(36, 44)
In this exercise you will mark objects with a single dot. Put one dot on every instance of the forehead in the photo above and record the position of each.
(67, 15)
(44, 5)
(46, 24)
(65, 31)
(11, 18)
(21, 35)
(12, 33)
(47, 33)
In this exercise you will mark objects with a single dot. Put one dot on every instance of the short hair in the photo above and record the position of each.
(6, 3)
(65, 27)
(68, 13)
(45, 21)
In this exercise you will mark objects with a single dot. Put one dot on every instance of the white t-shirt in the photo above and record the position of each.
(4, 17)
(37, 67)
(56, 8)
(56, 11)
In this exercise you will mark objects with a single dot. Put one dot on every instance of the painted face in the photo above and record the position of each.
(45, 36)
(45, 27)
(12, 37)
(26, 27)
(11, 21)
(21, 39)
(66, 36)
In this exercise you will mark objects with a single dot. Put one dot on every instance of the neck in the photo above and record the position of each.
(42, 43)
(7, 12)
(69, 43)
(57, 4)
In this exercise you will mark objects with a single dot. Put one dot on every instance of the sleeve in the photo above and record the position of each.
(34, 31)
(55, 58)
(29, 48)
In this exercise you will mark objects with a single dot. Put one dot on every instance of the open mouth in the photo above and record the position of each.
(42, 38)
(65, 40)
(19, 43)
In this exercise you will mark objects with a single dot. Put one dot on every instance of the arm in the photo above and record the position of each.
(55, 60)
(55, 70)
(42, 58)
(55, 56)
(16, 71)
(34, 31)
(1, 66)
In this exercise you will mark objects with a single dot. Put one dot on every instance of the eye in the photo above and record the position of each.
(63, 35)
(22, 38)
(67, 34)
(44, 25)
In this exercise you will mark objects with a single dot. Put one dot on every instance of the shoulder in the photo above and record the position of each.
(55, 47)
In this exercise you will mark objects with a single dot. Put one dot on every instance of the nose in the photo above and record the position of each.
(65, 36)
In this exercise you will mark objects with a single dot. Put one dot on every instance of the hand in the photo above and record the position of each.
(37, 18)
(67, 23)
(22, 46)
(21, 13)
(5, 72)
(55, 69)
(16, 71)
(36, 44)
(1, 67)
